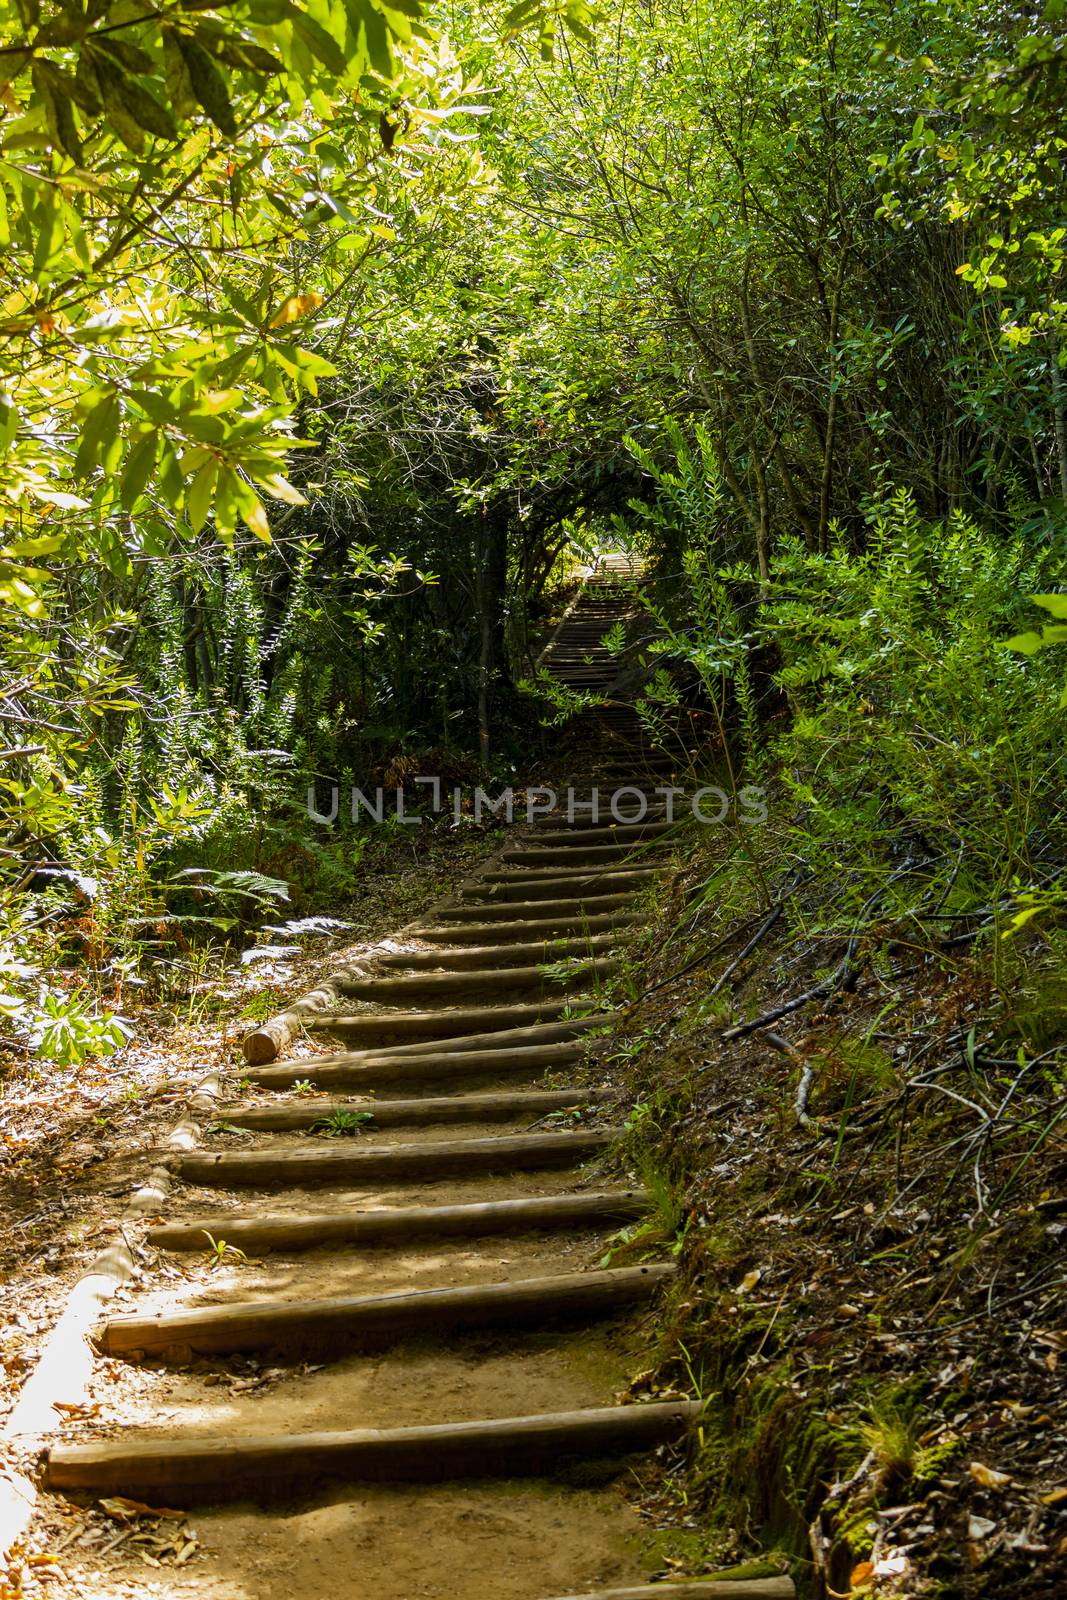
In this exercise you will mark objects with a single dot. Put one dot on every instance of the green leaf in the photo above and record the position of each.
(129, 56)
(281, 489)
(209, 85)
(253, 511)
(318, 41)
(85, 86)
(1027, 644)
(130, 109)
(54, 88)
(1056, 603)
(577, 17)
(379, 49)
(199, 498)
(101, 425)
(522, 13)
(268, 13)
(139, 466)
(180, 92)
(170, 479)
(43, 545)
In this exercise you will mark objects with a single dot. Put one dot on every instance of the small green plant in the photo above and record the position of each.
(303, 1086)
(637, 1116)
(219, 1252)
(564, 1115)
(892, 1436)
(341, 1123)
(564, 970)
(68, 1029)
(263, 1005)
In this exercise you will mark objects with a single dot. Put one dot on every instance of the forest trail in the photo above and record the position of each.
(430, 1354)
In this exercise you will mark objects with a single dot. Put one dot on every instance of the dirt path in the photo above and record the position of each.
(397, 1376)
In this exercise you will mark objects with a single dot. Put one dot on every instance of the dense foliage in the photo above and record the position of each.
(332, 332)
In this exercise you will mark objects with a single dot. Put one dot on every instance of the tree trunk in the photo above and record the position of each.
(492, 603)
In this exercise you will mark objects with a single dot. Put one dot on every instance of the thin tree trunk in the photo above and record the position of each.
(826, 481)
(1059, 411)
(777, 451)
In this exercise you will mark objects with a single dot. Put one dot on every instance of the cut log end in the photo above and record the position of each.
(265, 1044)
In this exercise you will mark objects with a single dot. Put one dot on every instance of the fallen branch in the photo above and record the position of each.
(757, 938)
(765, 1018)
(844, 974)
(807, 1077)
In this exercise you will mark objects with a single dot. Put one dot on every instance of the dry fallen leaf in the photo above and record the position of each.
(861, 1573)
(125, 1510)
(979, 1528)
(750, 1280)
(1055, 1497)
(987, 1477)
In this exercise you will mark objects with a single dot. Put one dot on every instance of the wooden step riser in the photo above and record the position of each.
(501, 955)
(491, 980)
(514, 1040)
(420, 1069)
(710, 1588)
(424, 1113)
(544, 856)
(577, 838)
(580, 910)
(401, 1225)
(426, 1163)
(169, 1470)
(550, 927)
(374, 1322)
(468, 1070)
(537, 1033)
(525, 883)
(584, 826)
(384, 1028)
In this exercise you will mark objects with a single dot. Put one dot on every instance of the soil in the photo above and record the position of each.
(78, 1143)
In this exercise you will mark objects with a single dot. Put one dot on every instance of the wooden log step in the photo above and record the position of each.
(709, 1588)
(426, 1111)
(501, 1042)
(501, 1039)
(387, 1027)
(548, 927)
(622, 833)
(365, 1070)
(535, 952)
(560, 878)
(580, 910)
(585, 856)
(302, 1165)
(427, 986)
(398, 1225)
(169, 1469)
(360, 1321)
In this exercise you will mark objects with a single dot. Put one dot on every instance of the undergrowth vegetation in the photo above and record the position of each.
(846, 1058)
